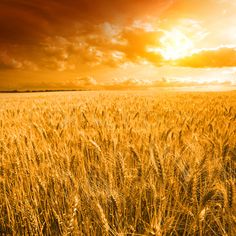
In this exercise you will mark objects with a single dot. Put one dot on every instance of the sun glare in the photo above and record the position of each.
(175, 44)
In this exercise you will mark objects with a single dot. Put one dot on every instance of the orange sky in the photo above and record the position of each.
(84, 43)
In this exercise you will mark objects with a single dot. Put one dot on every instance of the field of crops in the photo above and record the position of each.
(118, 163)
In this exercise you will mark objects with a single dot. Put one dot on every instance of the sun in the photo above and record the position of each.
(175, 45)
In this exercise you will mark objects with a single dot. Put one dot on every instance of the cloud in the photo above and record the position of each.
(71, 36)
(7, 62)
(137, 42)
(217, 57)
(27, 22)
(133, 83)
(106, 44)
(165, 82)
(86, 81)
(81, 82)
(64, 35)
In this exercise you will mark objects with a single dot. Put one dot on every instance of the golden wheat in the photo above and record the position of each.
(115, 163)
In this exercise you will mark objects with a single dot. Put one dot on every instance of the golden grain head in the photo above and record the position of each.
(111, 164)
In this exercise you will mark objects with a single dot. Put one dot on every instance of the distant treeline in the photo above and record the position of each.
(39, 91)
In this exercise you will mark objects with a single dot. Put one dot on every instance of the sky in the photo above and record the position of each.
(67, 44)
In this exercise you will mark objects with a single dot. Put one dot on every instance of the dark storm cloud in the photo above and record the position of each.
(23, 21)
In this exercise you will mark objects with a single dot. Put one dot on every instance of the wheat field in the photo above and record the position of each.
(118, 163)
